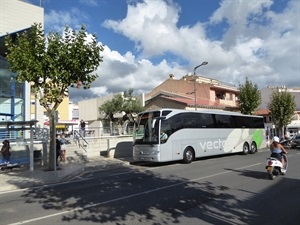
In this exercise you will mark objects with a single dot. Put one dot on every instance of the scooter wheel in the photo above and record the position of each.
(271, 176)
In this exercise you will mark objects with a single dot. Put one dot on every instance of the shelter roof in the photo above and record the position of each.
(19, 123)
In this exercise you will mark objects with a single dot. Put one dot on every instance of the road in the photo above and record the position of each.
(220, 190)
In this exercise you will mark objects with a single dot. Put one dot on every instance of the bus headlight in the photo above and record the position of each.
(154, 152)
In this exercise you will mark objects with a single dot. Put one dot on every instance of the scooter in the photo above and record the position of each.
(274, 167)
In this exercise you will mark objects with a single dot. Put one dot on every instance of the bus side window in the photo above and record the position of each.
(206, 120)
(224, 121)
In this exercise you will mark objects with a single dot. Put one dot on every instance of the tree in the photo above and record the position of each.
(52, 64)
(126, 103)
(131, 105)
(249, 97)
(109, 108)
(282, 106)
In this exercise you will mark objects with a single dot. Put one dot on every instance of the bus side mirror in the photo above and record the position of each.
(157, 118)
(153, 123)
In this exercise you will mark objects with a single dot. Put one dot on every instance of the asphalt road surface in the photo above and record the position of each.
(231, 189)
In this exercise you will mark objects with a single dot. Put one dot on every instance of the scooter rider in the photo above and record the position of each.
(277, 149)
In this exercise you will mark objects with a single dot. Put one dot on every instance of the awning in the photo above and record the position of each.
(63, 123)
(60, 126)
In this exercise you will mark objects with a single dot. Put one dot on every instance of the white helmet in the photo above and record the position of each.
(276, 139)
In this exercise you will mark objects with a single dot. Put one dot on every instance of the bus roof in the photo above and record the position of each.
(210, 111)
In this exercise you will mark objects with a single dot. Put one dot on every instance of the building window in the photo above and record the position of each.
(220, 95)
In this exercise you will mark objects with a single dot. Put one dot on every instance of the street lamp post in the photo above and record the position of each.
(195, 89)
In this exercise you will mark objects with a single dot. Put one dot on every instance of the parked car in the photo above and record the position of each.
(295, 143)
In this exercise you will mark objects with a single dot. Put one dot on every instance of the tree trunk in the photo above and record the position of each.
(52, 148)
(282, 131)
(111, 127)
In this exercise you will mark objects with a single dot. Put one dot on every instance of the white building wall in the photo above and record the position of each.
(266, 93)
(88, 109)
(16, 15)
(27, 101)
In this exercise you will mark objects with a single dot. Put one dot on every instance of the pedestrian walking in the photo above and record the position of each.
(82, 128)
(58, 148)
(5, 151)
(63, 148)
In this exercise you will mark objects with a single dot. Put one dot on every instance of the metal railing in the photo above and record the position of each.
(38, 134)
(80, 139)
(43, 134)
(100, 131)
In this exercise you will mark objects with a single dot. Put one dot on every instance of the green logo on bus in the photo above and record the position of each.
(258, 137)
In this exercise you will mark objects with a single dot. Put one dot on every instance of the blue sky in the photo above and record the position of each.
(146, 40)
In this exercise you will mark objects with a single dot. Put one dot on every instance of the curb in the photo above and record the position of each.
(37, 178)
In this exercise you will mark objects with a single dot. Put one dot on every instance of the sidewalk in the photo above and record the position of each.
(22, 177)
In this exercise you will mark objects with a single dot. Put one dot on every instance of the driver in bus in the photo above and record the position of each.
(163, 136)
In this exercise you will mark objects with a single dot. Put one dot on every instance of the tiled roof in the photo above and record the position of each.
(180, 87)
(200, 102)
(263, 112)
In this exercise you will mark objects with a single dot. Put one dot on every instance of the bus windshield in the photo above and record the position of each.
(147, 128)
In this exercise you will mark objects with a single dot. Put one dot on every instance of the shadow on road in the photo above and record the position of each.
(147, 198)
(250, 173)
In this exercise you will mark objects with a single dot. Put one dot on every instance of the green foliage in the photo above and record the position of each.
(282, 106)
(249, 97)
(121, 103)
(131, 104)
(109, 108)
(52, 64)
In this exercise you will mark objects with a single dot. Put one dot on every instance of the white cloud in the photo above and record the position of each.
(57, 20)
(151, 25)
(89, 2)
(267, 52)
(118, 73)
(259, 44)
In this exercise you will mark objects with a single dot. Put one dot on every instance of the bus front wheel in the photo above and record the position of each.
(188, 155)
(246, 148)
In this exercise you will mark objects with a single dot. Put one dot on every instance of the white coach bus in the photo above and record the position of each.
(170, 134)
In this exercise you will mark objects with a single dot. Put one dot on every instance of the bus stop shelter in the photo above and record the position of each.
(22, 126)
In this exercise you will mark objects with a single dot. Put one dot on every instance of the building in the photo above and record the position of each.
(67, 116)
(16, 101)
(89, 112)
(266, 93)
(180, 94)
(16, 17)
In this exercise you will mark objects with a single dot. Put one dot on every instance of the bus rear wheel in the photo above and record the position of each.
(188, 155)
(253, 148)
